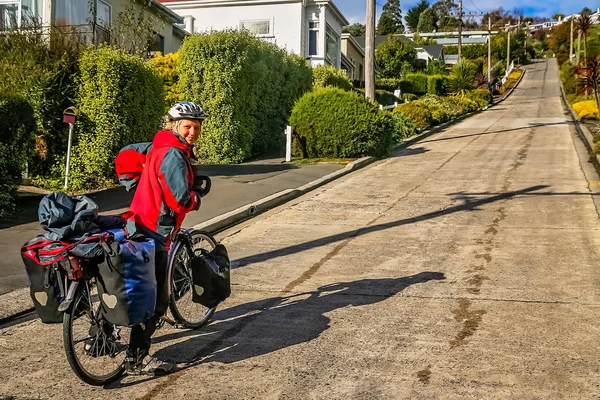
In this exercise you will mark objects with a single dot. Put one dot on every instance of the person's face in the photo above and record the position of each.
(190, 130)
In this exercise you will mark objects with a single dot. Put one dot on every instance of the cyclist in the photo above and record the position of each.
(165, 194)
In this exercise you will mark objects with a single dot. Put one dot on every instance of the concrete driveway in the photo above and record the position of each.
(464, 267)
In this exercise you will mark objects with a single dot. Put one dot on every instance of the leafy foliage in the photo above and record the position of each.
(427, 21)
(330, 122)
(589, 78)
(436, 84)
(248, 88)
(327, 75)
(418, 83)
(414, 13)
(436, 67)
(390, 20)
(17, 136)
(121, 101)
(417, 112)
(167, 68)
(462, 77)
(392, 54)
(356, 29)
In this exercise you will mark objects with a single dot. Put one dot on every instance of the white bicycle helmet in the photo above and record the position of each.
(187, 110)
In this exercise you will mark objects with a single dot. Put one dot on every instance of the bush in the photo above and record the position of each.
(482, 97)
(470, 52)
(567, 75)
(248, 88)
(436, 85)
(416, 112)
(586, 109)
(17, 137)
(167, 67)
(385, 98)
(327, 75)
(418, 82)
(462, 77)
(389, 84)
(41, 69)
(121, 100)
(404, 128)
(443, 108)
(409, 97)
(330, 122)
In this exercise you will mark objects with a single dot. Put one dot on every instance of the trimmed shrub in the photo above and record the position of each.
(327, 75)
(418, 82)
(121, 101)
(409, 97)
(442, 108)
(248, 88)
(482, 97)
(417, 112)
(436, 85)
(167, 68)
(330, 122)
(389, 84)
(385, 98)
(17, 137)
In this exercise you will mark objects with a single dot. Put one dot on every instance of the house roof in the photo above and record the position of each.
(166, 12)
(454, 41)
(435, 50)
(352, 40)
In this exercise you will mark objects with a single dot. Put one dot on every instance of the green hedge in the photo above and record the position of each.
(418, 83)
(389, 84)
(248, 88)
(330, 122)
(436, 84)
(327, 75)
(417, 112)
(470, 51)
(17, 138)
(409, 97)
(121, 102)
(382, 97)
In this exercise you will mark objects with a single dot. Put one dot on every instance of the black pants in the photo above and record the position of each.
(141, 334)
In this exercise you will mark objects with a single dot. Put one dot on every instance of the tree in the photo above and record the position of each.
(589, 77)
(413, 14)
(586, 10)
(356, 29)
(558, 17)
(427, 21)
(584, 25)
(390, 21)
(392, 54)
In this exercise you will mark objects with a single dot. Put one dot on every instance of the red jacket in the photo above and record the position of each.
(164, 196)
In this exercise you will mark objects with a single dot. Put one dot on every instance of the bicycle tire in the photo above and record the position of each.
(75, 360)
(180, 282)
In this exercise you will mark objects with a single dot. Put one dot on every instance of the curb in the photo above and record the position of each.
(582, 131)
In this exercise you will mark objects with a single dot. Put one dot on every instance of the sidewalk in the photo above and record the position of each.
(233, 186)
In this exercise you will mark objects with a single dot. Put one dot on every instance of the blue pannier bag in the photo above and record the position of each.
(127, 281)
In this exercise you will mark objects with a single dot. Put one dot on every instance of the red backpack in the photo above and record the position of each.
(130, 163)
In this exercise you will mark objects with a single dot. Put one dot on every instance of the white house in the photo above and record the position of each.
(310, 28)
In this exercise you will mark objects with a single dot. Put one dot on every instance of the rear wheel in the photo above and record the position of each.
(94, 347)
(185, 311)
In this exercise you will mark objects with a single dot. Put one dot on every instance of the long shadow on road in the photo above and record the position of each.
(470, 203)
(276, 323)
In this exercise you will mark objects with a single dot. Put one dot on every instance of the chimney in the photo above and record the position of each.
(188, 23)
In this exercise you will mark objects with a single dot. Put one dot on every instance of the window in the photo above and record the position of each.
(79, 12)
(9, 14)
(313, 38)
(157, 45)
(332, 46)
(257, 27)
(103, 14)
(14, 13)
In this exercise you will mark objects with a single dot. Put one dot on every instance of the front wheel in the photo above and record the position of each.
(94, 347)
(185, 311)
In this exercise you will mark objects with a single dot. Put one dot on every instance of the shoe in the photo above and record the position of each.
(145, 364)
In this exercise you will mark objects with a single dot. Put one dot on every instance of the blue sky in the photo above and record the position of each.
(354, 10)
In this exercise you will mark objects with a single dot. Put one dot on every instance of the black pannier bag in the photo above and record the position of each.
(127, 282)
(43, 261)
(210, 274)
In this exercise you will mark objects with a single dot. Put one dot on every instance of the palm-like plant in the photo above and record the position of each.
(462, 77)
(584, 25)
(588, 78)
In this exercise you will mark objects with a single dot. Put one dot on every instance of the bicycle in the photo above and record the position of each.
(95, 348)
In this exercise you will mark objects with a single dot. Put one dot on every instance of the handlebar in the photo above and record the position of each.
(202, 184)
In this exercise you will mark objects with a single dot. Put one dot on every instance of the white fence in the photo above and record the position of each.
(508, 71)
